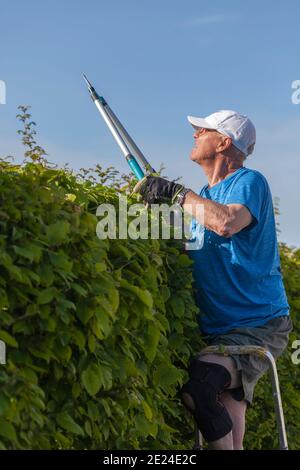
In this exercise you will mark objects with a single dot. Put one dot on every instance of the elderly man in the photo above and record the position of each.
(238, 281)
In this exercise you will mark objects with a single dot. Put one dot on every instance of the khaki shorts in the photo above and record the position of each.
(273, 335)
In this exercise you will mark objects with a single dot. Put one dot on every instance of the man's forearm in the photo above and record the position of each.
(211, 214)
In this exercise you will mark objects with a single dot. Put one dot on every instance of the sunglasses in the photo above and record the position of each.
(201, 130)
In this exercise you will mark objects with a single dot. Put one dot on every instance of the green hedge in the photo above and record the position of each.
(98, 332)
(261, 432)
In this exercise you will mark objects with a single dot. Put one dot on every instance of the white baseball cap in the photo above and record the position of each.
(232, 124)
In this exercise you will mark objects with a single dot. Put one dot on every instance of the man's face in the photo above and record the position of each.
(206, 143)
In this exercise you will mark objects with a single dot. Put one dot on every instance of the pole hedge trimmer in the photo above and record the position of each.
(120, 135)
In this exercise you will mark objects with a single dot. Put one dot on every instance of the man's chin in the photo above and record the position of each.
(195, 158)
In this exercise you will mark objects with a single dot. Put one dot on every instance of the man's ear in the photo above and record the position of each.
(223, 144)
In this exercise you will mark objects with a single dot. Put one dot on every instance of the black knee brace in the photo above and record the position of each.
(207, 381)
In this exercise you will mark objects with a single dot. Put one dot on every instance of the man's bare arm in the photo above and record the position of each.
(223, 219)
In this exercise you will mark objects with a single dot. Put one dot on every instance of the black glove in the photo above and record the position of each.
(154, 189)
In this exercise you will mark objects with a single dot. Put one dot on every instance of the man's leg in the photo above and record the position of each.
(235, 409)
(226, 442)
(233, 438)
(227, 362)
(237, 412)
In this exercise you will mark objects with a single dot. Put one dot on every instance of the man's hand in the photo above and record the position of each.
(154, 189)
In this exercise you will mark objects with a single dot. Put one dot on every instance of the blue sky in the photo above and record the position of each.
(155, 62)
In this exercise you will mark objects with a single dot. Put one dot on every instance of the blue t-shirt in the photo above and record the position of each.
(238, 279)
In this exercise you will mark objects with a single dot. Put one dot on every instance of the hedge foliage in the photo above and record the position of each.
(99, 333)
(261, 431)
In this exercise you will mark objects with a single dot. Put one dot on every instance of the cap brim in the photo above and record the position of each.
(199, 122)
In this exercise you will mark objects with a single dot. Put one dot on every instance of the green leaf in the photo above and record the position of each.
(92, 343)
(58, 232)
(127, 368)
(147, 410)
(8, 339)
(88, 428)
(67, 422)
(100, 267)
(84, 313)
(184, 260)
(45, 195)
(143, 294)
(46, 275)
(46, 295)
(93, 410)
(3, 299)
(151, 341)
(32, 275)
(4, 404)
(92, 379)
(167, 375)
(106, 305)
(106, 407)
(29, 251)
(66, 304)
(101, 324)
(145, 427)
(121, 250)
(165, 293)
(64, 353)
(114, 298)
(61, 260)
(70, 197)
(7, 430)
(76, 389)
(106, 378)
(99, 377)
(79, 338)
(79, 289)
(178, 306)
